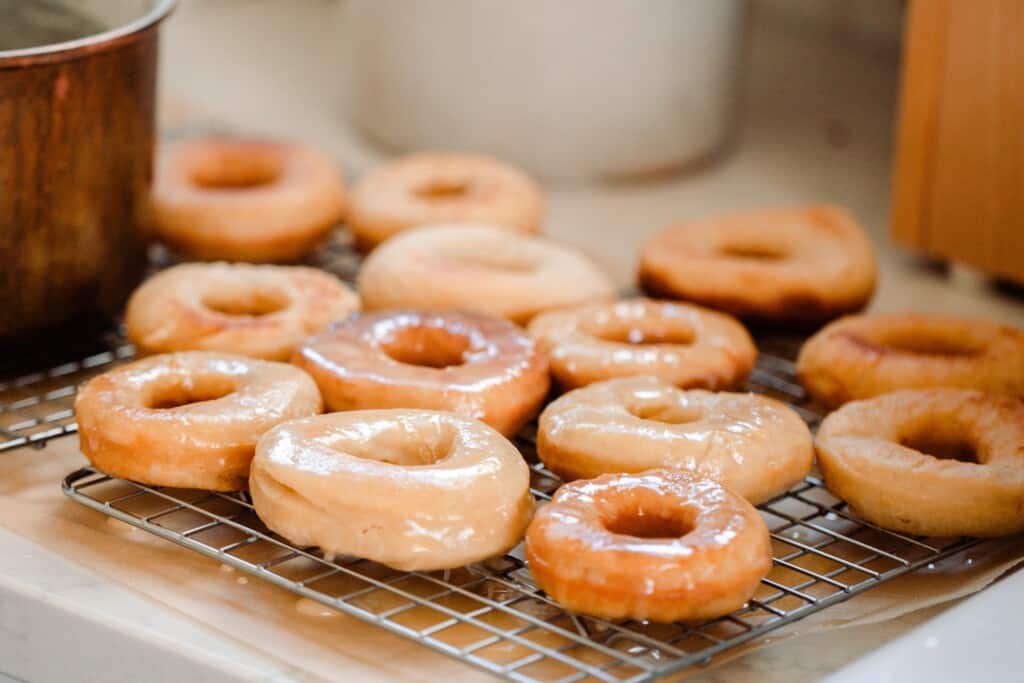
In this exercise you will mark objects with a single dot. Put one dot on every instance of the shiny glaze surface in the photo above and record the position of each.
(413, 489)
(867, 355)
(245, 200)
(188, 419)
(757, 446)
(804, 264)
(868, 455)
(680, 343)
(489, 369)
(479, 267)
(183, 308)
(443, 187)
(711, 569)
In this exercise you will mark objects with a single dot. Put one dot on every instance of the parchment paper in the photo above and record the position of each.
(339, 647)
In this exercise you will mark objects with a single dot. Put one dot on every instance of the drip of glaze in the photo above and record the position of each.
(311, 608)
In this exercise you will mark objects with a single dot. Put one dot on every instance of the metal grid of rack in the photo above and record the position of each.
(490, 615)
(493, 616)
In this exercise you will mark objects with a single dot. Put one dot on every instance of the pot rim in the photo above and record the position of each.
(71, 49)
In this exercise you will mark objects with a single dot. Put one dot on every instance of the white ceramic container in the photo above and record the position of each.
(565, 88)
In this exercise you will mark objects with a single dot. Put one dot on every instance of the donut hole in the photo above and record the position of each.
(425, 447)
(906, 341)
(668, 413)
(508, 260)
(675, 335)
(655, 524)
(753, 252)
(181, 391)
(443, 189)
(431, 347)
(942, 446)
(231, 168)
(252, 303)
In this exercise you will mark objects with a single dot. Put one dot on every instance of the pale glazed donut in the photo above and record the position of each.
(258, 311)
(662, 545)
(245, 200)
(481, 268)
(876, 455)
(471, 364)
(412, 489)
(866, 355)
(189, 419)
(442, 187)
(682, 344)
(802, 265)
(756, 446)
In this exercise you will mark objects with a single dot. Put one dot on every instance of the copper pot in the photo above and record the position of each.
(77, 89)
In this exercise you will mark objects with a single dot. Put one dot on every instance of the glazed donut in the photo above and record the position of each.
(866, 355)
(412, 489)
(481, 268)
(189, 419)
(663, 545)
(930, 462)
(442, 187)
(685, 345)
(258, 311)
(756, 446)
(800, 266)
(245, 200)
(470, 364)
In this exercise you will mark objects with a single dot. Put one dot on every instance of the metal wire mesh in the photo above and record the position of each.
(491, 614)
(38, 406)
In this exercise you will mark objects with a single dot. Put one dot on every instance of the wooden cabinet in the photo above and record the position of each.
(958, 190)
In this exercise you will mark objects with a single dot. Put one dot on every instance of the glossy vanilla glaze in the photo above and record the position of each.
(682, 344)
(868, 455)
(757, 446)
(714, 552)
(427, 188)
(412, 489)
(258, 201)
(471, 364)
(479, 267)
(866, 355)
(221, 405)
(258, 311)
(795, 264)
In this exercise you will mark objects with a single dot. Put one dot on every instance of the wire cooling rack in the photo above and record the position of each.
(491, 614)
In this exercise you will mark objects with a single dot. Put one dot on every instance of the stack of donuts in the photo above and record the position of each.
(466, 321)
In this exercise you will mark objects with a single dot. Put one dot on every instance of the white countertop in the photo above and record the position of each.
(817, 125)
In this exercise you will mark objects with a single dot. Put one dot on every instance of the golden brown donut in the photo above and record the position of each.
(866, 355)
(802, 265)
(756, 446)
(470, 364)
(258, 311)
(663, 545)
(245, 200)
(931, 462)
(480, 268)
(442, 187)
(682, 344)
(412, 489)
(189, 419)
